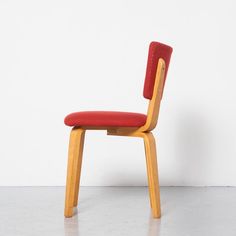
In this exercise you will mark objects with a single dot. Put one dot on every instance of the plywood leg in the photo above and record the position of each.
(149, 179)
(73, 169)
(152, 172)
(78, 170)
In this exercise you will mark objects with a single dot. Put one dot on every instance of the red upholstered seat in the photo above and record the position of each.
(105, 118)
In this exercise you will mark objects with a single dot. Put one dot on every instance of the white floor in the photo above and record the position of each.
(38, 211)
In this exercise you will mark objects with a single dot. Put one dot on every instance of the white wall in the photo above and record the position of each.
(62, 56)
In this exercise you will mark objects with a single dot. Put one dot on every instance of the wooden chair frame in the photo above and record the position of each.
(77, 142)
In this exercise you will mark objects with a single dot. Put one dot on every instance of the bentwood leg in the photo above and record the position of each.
(149, 178)
(78, 170)
(151, 160)
(73, 169)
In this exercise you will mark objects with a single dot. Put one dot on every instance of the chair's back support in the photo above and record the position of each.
(157, 68)
(156, 51)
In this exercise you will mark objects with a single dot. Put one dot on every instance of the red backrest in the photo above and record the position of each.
(156, 51)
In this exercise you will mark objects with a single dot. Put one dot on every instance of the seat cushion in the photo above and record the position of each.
(105, 118)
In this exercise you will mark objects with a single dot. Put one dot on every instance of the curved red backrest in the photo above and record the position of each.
(156, 51)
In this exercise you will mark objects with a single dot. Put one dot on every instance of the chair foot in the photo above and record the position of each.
(68, 212)
(156, 215)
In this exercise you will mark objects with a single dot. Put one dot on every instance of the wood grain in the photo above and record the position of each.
(73, 169)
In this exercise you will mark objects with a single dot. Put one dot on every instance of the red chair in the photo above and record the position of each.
(122, 124)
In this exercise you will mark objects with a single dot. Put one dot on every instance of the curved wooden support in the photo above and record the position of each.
(74, 169)
(154, 104)
(151, 163)
(152, 172)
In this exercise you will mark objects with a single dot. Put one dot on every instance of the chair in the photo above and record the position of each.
(122, 124)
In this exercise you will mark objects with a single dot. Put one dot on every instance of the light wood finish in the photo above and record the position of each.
(77, 140)
(152, 172)
(79, 165)
(74, 169)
